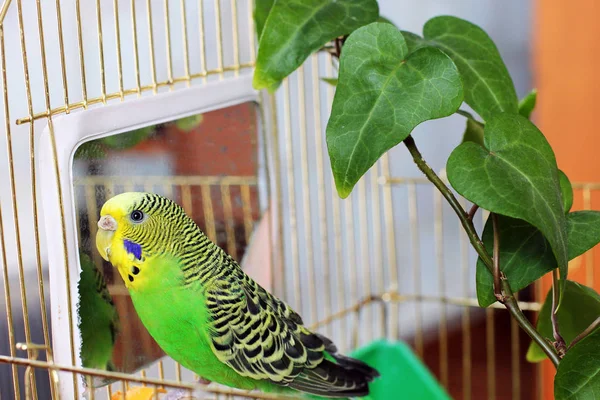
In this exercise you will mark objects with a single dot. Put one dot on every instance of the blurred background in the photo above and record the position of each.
(393, 233)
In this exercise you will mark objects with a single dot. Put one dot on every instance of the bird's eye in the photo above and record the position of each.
(137, 216)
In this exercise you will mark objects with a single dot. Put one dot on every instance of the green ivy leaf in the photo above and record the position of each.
(297, 28)
(473, 132)
(382, 95)
(527, 104)
(526, 256)
(489, 88)
(414, 41)
(127, 140)
(262, 8)
(584, 231)
(385, 20)
(578, 375)
(566, 190)
(331, 81)
(515, 174)
(188, 124)
(91, 150)
(579, 308)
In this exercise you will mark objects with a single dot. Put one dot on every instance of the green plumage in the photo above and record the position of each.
(99, 320)
(208, 315)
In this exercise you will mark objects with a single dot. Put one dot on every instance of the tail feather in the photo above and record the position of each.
(346, 378)
(352, 363)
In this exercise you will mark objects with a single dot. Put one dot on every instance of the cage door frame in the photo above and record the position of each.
(69, 132)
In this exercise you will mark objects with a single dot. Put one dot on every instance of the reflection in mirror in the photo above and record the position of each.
(206, 163)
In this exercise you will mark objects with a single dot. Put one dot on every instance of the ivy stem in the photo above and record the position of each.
(559, 341)
(496, 259)
(586, 332)
(511, 304)
(472, 211)
(338, 48)
(465, 114)
(509, 300)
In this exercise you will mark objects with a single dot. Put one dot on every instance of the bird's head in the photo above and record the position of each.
(135, 226)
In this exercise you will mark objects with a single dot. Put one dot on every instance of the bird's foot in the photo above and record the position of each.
(202, 380)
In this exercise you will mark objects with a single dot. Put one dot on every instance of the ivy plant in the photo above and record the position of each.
(97, 149)
(390, 81)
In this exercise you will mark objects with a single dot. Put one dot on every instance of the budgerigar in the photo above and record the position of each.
(208, 315)
(99, 320)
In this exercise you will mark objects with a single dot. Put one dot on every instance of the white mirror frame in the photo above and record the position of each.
(70, 132)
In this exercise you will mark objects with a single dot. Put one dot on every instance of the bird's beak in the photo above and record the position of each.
(107, 227)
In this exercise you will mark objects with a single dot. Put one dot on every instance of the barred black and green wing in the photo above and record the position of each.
(260, 337)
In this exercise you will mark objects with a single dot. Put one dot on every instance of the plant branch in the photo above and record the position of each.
(468, 115)
(509, 300)
(559, 342)
(338, 48)
(449, 196)
(512, 306)
(472, 212)
(496, 259)
(586, 332)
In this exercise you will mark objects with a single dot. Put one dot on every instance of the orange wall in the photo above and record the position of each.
(566, 64)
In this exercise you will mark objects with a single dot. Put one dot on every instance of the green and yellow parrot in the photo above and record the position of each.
(208, 315)
(99, 320)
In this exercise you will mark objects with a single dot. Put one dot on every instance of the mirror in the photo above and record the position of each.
(207, 163)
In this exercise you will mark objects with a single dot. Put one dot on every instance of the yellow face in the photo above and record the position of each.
(122, 219)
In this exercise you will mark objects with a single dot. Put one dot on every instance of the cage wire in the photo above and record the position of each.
(390, 261)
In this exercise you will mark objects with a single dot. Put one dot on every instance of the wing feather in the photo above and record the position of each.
(259, 336)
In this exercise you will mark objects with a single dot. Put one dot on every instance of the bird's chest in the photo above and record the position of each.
(176, 319)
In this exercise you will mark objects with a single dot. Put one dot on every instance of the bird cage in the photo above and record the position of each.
(111, 96)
